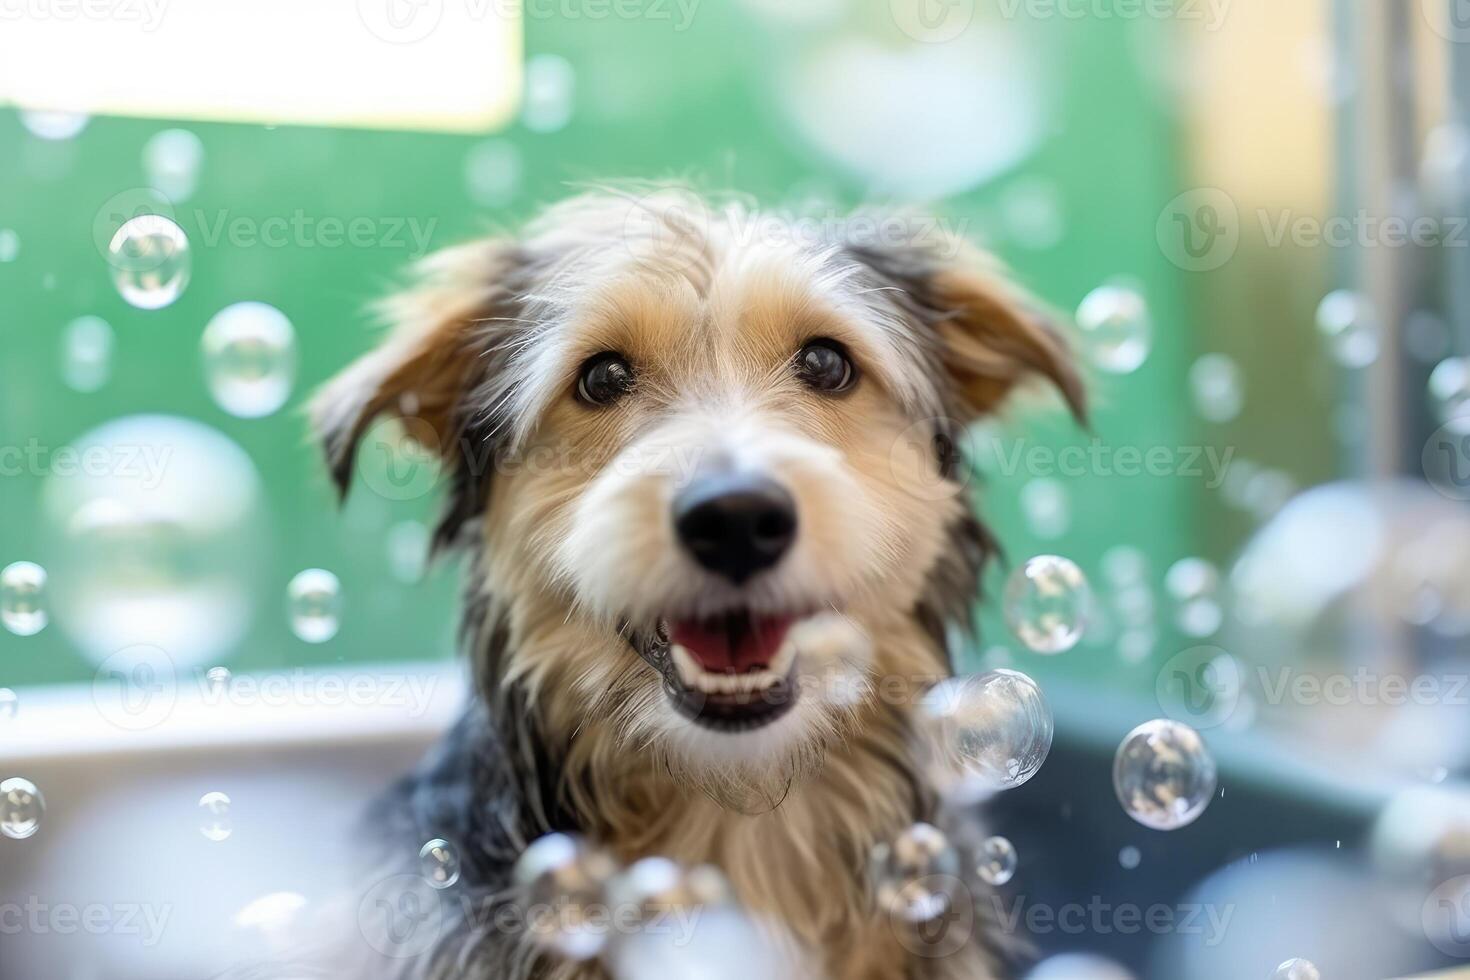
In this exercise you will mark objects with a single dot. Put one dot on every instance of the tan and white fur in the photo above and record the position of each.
(576, 565)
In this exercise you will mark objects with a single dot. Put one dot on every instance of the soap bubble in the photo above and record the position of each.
(408, 550)
(718, 942)
(1345, 561)
(1044, 502)
(9, 244)
(1045, 603)
(1194, 585)
(1420, 839)
(1444, 168)
(850, 98)
(1078, 966)
(563, 881)
(86, 353)
(214, 817)
(439, 863)
(1115, 327)
(1163, 775)
(49, 124)
(315, 601)
(1136, 644)
(1297, 969)
(1350, 326)
(722, 944)
(1266, 491)
(1420, 848)
(997, 862)
(492, 172)
(1449, 390)
(23, 598)
(150, 261)
(1129, 858)
(1214, 381)
(21, 808)
(158, 536)
(1191, 577)
(249, 359)
(982, 733)
(651, 887)
(551, 84)
(1135, 606)
(915, 876)
(1125, 565)
(1031, 209)
(171, 159)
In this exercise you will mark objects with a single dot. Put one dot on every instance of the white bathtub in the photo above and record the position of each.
(121, 883)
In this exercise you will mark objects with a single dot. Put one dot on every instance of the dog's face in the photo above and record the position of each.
(710, 460)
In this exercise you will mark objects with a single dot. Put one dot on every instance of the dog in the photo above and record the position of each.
(703, 462)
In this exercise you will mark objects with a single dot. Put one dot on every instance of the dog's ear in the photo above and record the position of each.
(989, 336)
(442, 331)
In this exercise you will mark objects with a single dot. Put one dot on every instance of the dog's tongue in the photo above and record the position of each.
(735, 644)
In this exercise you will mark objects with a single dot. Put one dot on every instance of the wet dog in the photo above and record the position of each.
(703, 463)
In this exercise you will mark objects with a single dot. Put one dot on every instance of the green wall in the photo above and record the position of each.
(650, 101)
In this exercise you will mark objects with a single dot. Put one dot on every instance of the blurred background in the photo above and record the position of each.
(1256, 213)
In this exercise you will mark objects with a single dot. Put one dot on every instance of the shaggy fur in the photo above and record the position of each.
(574, 568)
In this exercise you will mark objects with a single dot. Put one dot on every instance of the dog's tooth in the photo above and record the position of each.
(785, 657)
(693, 674)
(689, 670)
(754, 683)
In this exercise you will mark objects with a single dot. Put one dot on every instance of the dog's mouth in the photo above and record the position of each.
(733, 672)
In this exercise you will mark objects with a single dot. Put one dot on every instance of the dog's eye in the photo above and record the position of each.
(825, 366)
(604, 379)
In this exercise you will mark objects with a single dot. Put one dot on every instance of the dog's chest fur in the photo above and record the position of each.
(799, 860)
(802, 864)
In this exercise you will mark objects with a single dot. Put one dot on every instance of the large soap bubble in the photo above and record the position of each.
(156, 531)
(982, 733)
(1164, 775)
(1348, 607)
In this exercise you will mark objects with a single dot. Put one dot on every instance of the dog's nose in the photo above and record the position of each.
(735, 524)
